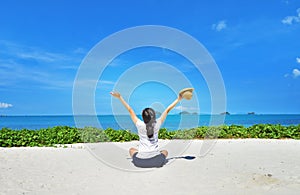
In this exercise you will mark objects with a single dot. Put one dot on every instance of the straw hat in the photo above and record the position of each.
(187, 93)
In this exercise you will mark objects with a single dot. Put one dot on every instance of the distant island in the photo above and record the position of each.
(228, 113)
(187, 113)
(225, 113)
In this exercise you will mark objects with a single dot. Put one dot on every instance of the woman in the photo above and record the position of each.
(147, 155)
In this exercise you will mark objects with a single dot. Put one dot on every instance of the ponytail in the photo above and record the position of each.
(150, 128)
(150, 121)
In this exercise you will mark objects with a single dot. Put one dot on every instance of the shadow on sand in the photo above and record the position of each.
(181, 157)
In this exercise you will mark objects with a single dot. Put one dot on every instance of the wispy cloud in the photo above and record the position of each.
(292, 19)
(80, 50)
(40, 56)
(68, 67)
(221, 25)
(21, 64)
(29, 52)
(106, 82)
(5, 105)
(92, 82)
(15, 76)
(298, 60)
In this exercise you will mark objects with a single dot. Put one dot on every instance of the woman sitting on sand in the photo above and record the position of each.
(147, 155)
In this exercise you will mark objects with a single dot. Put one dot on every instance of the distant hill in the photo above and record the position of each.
(225, 113)
(186, 112)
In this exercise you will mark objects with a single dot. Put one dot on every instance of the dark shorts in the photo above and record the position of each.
(156, 161)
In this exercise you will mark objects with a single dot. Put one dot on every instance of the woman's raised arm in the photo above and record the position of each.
(169, 108)
(133, 116)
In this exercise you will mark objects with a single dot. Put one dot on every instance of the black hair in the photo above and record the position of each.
(150, 121)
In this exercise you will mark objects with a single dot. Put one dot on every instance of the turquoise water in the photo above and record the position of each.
(173, 122)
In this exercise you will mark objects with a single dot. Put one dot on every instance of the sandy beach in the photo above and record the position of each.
(242, 166)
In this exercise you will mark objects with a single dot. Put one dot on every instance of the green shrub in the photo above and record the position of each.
(92, 135)
(120, 135)
(69, 135)
(165, 134)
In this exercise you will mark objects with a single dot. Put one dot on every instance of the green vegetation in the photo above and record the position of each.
(68, 135)
(42, 137)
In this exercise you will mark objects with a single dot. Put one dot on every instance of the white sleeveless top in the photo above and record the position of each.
(147, 148)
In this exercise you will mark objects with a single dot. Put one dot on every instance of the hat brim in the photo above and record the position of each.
(185, 90)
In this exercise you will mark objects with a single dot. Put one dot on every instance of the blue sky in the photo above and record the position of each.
(254, 43)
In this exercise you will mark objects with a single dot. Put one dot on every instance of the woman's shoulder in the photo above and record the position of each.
(158, 121)
(139, 122)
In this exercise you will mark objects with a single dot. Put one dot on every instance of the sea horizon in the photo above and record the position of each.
(35, 115)
(172, 122)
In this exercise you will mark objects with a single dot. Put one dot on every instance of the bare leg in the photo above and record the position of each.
(164, 152)
(132, 151)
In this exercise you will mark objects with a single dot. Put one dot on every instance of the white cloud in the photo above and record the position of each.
(68, 67)
(292, 19)
(106, 82)
(183, 108)
(180, 108)
(296, 72)
(80, 50)
(92, 82)
(37, 54)
(5, 105)
(221, 25)
(298, 60)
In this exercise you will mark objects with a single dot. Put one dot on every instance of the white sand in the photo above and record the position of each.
(231, 167)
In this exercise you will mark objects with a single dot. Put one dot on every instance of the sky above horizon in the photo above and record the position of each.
(255, 44)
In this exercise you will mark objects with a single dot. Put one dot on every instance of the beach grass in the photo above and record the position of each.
(70, 135)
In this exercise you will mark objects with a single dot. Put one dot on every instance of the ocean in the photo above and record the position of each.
(173, 122)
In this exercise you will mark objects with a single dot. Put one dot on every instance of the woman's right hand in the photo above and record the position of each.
(115, 94)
